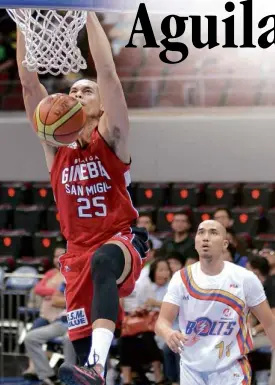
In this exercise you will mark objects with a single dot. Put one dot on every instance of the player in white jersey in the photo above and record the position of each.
(213, 298)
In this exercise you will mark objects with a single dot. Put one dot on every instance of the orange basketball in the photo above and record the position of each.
(58, 119)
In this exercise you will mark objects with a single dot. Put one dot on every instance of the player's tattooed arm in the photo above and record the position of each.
(115, 138)
(114, 125)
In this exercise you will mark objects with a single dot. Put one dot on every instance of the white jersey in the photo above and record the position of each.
(213, 313)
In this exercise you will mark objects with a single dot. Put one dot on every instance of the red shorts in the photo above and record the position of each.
(76, 268)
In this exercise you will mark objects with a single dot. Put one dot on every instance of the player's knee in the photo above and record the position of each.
(108, 258)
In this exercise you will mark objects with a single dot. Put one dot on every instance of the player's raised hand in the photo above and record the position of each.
(175, 340)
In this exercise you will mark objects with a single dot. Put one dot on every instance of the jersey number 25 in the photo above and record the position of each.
(95, 204)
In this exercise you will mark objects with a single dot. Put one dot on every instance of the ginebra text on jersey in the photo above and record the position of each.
(84, 171)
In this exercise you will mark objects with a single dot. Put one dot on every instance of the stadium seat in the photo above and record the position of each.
(2, 277)
(258, 194)
(221, 194)
(141, 94)
(166, 214)
(14, 193)
(271, 221)
(52, 219)
(151, 194)
(214, 92)
(22, 283)
(44, 242)
(186, 194)
(29, 217)
(15, 243)
(247, 219)
(6, 217)
(7, 263)
(264, 240)
(147, 210)
(13, 102)
(202, 213)
(41, 264)
(42, 194)
(246, 239)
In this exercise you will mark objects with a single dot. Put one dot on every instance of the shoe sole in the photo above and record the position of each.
(70, 377)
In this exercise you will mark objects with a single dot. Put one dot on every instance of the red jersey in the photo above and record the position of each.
(90, 190)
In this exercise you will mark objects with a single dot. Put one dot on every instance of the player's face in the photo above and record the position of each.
(144, 221)
(210, 240)
(162, 273)
(180, 223)
(87, 93)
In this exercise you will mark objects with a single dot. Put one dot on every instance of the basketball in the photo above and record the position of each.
(58, 119)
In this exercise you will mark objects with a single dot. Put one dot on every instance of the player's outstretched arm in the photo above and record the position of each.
(173, 338)
(114, 126)
(33, 92)
(266, 317)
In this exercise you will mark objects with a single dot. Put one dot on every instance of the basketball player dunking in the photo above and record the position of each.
(89, 180)
(213, 299)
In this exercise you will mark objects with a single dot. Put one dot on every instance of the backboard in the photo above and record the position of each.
(96, 5)
(153, 6)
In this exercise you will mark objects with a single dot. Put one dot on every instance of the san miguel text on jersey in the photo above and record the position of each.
(90, 189)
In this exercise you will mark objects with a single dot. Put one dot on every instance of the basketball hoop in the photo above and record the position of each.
(51, 39)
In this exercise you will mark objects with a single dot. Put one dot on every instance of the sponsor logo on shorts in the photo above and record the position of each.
(76, 319)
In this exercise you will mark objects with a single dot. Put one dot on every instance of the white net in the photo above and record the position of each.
(51, 39)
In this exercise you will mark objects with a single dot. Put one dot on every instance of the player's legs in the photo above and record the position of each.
(191, 377)
(110, 265)
(115, 266)
(237, 374)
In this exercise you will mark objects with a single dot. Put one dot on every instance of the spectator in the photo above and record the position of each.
(260, 266)
(181, 240)
(269, 254)
(142, 349)
(191, 260)
(171, 359)
(7, 65)
(224, 216)
(229, 253)
(144, 275)
(175, 261)
(45, 289)
(36, 338)
(239, 256)
(7, 55)
(145, 220)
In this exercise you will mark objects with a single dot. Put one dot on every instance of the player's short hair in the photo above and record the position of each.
(228, 212)
(154, 266)
(260, 263)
